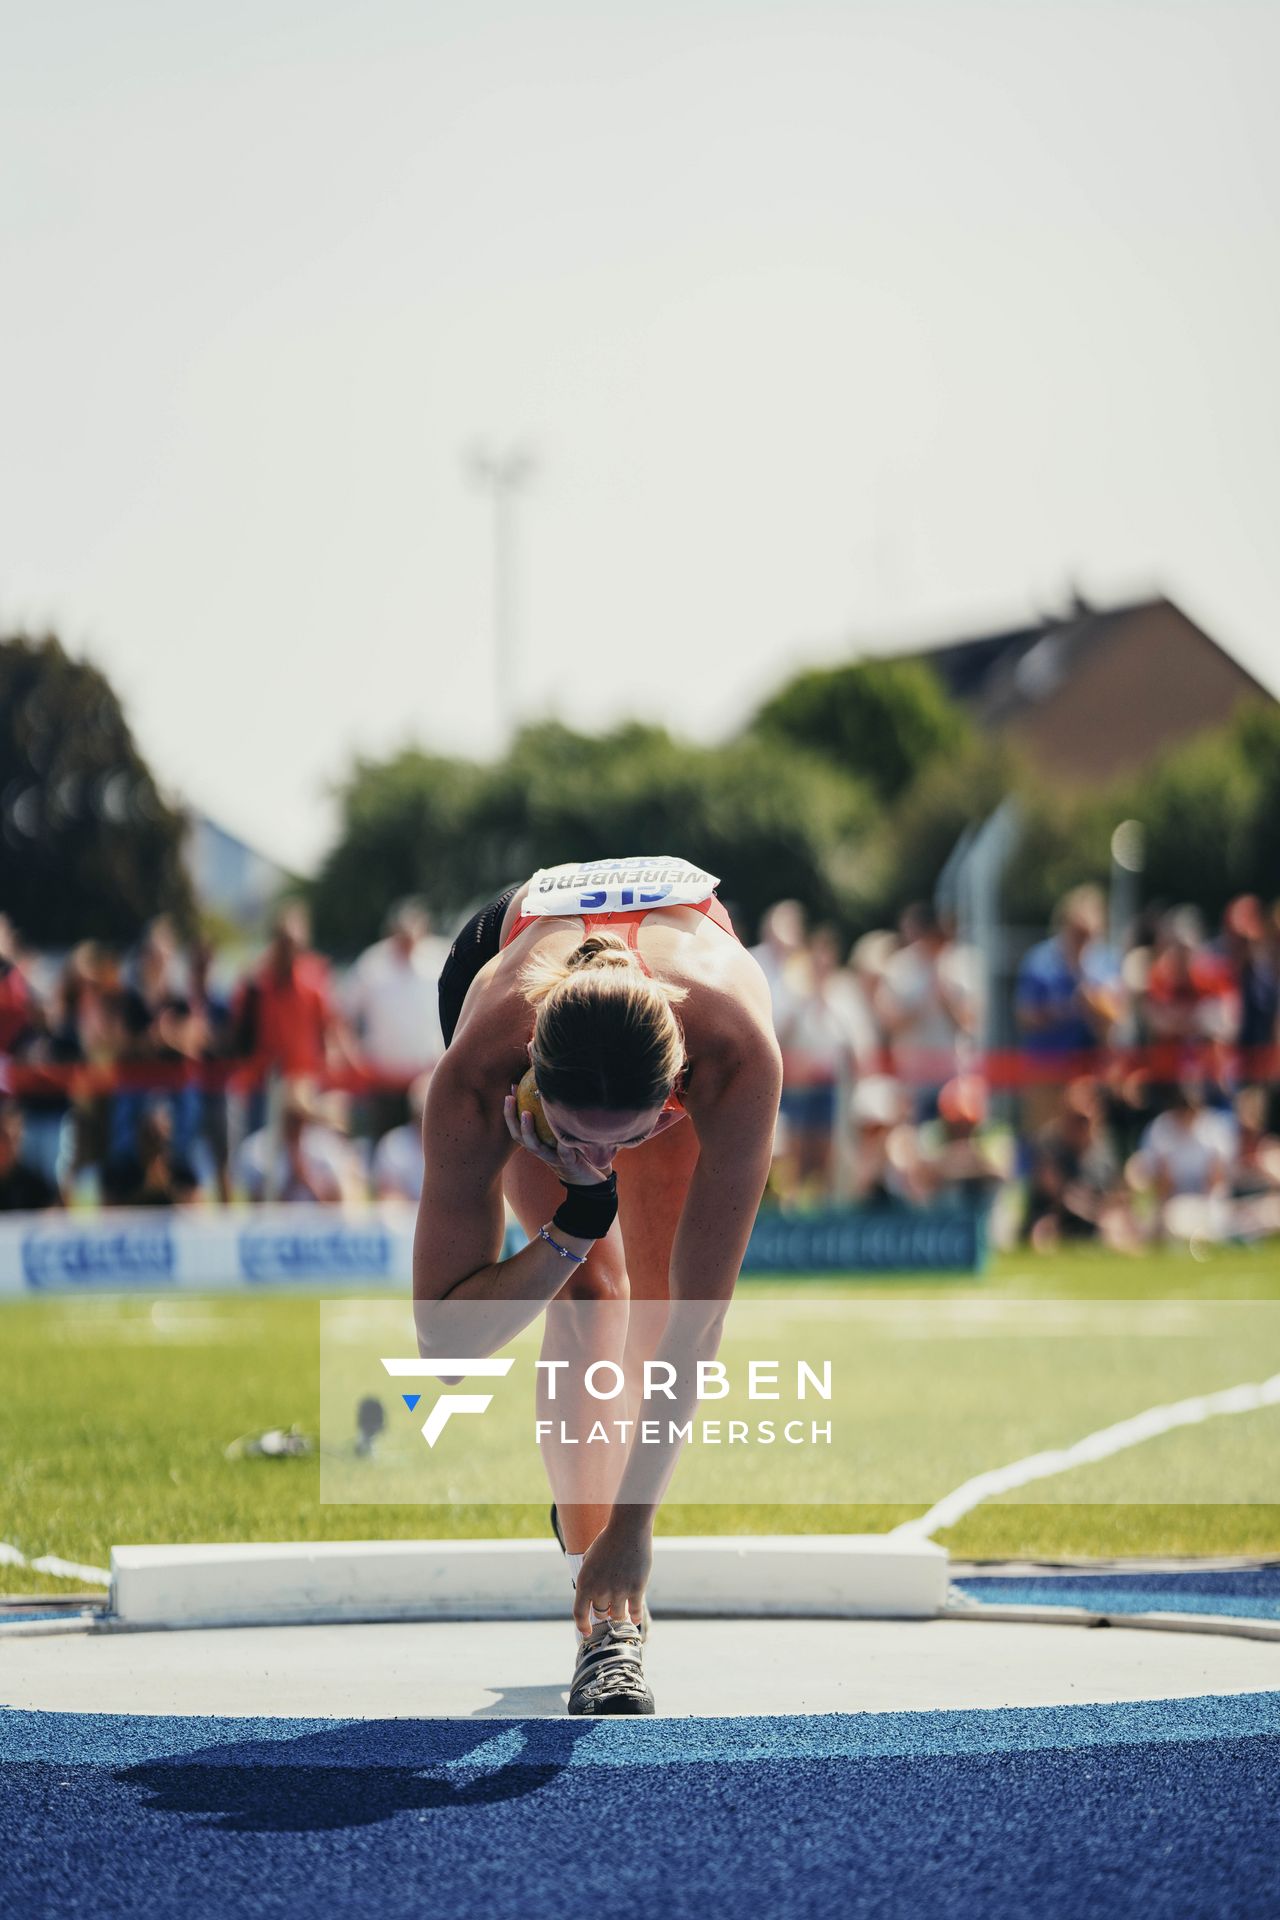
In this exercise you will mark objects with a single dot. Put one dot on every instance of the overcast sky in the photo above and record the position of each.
(830, 325)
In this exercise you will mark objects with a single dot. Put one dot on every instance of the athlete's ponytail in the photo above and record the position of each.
(606, 1034)
(542, 976)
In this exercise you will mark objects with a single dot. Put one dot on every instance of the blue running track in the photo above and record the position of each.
(1162, 1809)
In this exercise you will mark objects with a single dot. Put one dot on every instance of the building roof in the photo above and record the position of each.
(1096, 690)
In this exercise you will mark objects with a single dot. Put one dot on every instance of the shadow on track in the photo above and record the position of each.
(358, 1774)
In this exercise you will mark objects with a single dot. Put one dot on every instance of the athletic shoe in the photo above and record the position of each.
(609, 1675)
(646, 1618)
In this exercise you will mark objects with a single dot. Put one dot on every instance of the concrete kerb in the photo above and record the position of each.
(843, 1576)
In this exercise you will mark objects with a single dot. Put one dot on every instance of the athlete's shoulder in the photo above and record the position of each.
(726, 1008)
(712, 959)
(731, 1043)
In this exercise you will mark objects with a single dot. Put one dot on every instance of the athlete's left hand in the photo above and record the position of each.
(614, 1574)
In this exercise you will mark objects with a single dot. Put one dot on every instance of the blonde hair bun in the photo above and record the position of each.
(601, 950)
(598, 953)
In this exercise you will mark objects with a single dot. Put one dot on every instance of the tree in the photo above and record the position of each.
(881, 721)
(769, 819)
(1256, 732)
(402, 831)
(1208, 812)
(88, 847)
(1209, 808)
(900, 861)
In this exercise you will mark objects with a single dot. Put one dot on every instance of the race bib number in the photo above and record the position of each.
(618, 886)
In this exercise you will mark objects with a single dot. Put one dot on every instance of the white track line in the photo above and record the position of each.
(50, 1563)
(1095, 1446)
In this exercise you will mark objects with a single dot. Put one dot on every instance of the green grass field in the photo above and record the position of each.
(115, 1413)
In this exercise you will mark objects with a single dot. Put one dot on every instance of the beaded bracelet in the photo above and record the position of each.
(565, 1253)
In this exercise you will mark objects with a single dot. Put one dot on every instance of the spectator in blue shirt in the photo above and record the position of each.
(1069, 996)
(1248, 952)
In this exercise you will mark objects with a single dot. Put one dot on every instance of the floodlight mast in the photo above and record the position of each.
(504, 475)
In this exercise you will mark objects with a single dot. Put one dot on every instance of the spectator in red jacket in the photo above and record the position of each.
(283, 1016)
(17, 1003)
(1191, 991)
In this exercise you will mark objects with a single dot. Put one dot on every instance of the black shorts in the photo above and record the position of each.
(474, 947)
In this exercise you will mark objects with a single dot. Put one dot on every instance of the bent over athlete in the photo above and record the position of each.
(649, 1031)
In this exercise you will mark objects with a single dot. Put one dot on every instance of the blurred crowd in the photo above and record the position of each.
(1134, 1097)
(151, 1079)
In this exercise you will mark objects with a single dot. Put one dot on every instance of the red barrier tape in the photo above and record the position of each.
(1008, 1068)
(94, 1079)
(1003, 1069)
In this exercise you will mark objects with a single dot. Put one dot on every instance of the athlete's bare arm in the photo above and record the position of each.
(732, 1100)
(458, 1241)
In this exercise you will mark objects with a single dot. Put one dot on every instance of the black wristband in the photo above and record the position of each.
(587, 1212)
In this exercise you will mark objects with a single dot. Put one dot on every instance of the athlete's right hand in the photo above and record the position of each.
(567, 1163)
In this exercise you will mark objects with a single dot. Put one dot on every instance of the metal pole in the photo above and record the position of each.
(504, 627)
(504, 475)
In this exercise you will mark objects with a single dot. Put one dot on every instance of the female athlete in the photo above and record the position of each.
(649, 1031)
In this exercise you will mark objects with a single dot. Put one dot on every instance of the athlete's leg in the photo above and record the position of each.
(653, 1181)
(608, 1675)
(586, 1322)
(632, 1263)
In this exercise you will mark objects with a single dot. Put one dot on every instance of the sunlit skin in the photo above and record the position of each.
(686, 1200)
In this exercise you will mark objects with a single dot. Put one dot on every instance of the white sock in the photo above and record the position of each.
(575, 1568)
